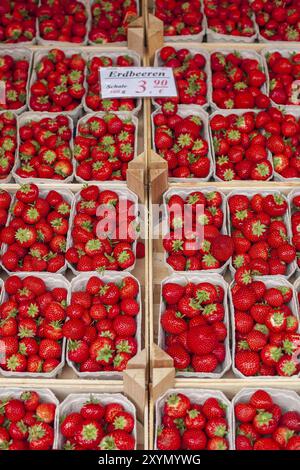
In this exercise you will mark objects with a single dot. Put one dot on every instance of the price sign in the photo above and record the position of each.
(137, 82)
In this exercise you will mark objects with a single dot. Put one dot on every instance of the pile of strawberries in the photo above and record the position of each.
(26, 422)
(180, 18)
(193, 321)
(230, 17)
(201, 246)
(295, 207)
(192, 426)
(277, 21)
(59, 84)
(96, 426)
(260, 234)
(14, 73)
(284, 72)
(189, 73)
(5, 200)
(110, 20)
(18, 20)
(238, 82)
(103, 232)
(45, 148)
(62, 21)
(8, 143)
(37, 232)
(104, 146)
(31, 323)
(266, 329)
(93, 96)
(262, 424)
(101, 325)
(180, 141)
(240, 148)
(281, 132)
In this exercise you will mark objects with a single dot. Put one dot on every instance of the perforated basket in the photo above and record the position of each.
(123, 115)
(52, 281)
(183, 280)
(20, 53)
(269, 281)
(47, 42)
(237, 112)
(75, 113)
(36, 117)
(124, 194)
(79, 283)
(74, 402)
(158, 62)
(288, 400)
(185, 111)
(68, 196)
(184, 193)
(198, 396)
(291, 267)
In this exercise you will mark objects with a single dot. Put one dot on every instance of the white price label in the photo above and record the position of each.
(137, 82)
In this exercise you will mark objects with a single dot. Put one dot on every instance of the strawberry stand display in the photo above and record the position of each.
(229, 22)
(92, 101)
(104, 145)
(45, 152)
(238, 80)
(60, 22)
(30, 417)
(266, 419)
(204, 418)
(191, 70)
(90, 245)
(266, 339)
(259, 224)
(96, 422)
(15, 70)
(282, 67)
(103, 330)
(110, 21)
(37, 230)
(181, 137)
(183, 20)
(9, 140)
(181, 250)
(294, 201)
(65, 67)
(202, 300)
(33, 338)
(238, 149)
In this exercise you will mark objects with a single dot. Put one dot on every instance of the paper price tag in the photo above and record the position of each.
(137, 82)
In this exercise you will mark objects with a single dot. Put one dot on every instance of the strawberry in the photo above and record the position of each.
(168, 439)
(117, 440)
(193, 439)
(247, 362)
(177, 405)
